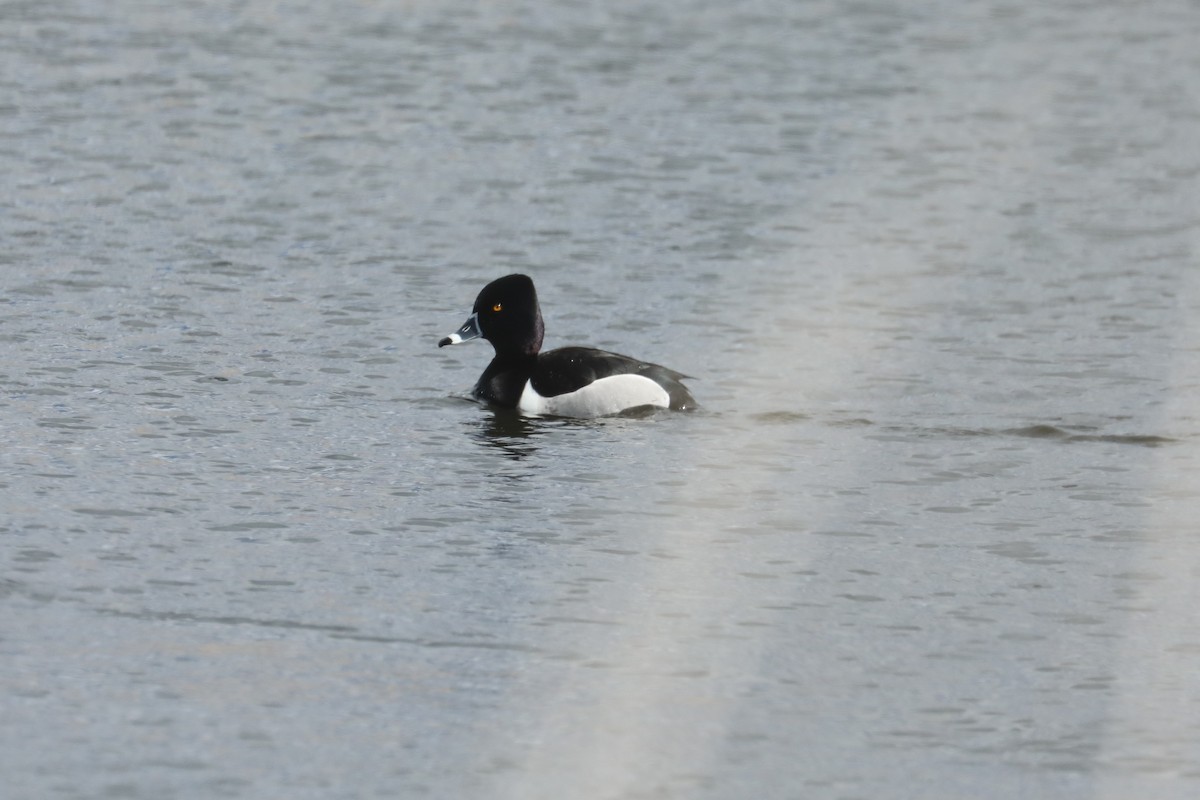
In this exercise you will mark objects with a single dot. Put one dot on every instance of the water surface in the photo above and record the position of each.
(931, 534)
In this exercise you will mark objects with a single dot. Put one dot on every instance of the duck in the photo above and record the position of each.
(581, 382)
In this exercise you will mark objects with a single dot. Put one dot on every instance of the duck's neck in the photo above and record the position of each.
(504, 379)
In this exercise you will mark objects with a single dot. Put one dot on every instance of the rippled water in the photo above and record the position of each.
(932, 534)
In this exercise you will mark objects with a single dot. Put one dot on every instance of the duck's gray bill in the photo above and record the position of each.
(469, 330)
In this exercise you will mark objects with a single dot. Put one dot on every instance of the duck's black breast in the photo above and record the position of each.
(568, 369)
(504, 380)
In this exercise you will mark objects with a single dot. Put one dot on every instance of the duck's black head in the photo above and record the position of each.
(507, 314)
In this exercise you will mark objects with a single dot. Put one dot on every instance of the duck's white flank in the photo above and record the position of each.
(599, 398)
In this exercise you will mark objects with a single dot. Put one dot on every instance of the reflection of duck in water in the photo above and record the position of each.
(508, 431)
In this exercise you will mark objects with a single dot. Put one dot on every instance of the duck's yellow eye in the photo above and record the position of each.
(497, 307)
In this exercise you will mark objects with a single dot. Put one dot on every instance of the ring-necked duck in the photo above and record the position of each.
(567, 382)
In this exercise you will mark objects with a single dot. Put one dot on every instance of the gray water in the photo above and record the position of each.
(933, 533)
